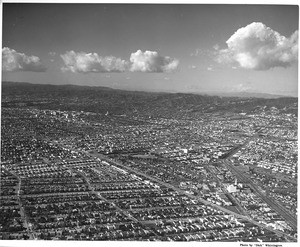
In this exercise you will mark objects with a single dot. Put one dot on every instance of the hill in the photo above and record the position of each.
(103, 99)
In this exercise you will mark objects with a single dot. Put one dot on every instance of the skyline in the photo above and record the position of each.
(170, 48)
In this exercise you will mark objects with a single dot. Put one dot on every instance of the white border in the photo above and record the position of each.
(38, 243)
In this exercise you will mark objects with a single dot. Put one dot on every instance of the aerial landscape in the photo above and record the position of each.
(149, 122)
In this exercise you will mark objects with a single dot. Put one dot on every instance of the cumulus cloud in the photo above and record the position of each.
(82, 62)
(148, 61)
(203, 52)
(52, 53)
(192, 67)
(197, 52)
(216, 47)
(151, 61)
(15, 61)
(258, 47)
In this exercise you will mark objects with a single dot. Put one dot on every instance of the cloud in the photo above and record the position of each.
(148, 61)
(52, 53)
(192, 67)
(258, 47)
(242, 87)
(82, 62)
(209, 68)
(202, 52)
(216, 47)
(197, 52)
(151, 61)
(15, 61)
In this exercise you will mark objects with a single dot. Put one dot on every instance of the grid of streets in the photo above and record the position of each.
(76, 175)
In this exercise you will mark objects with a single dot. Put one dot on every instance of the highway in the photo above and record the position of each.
(226, 157)
(291, 219)
(119, 164)
(238, 206)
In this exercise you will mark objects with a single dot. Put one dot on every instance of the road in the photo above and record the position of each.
(98, 194)
(119, 164)
(231, 152)
(23, 215)
(291, 219)
(238, 205)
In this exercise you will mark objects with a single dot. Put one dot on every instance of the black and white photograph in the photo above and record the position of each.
(144, 121)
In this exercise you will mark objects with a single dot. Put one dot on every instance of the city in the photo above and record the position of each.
(212, 175)
(149, 123)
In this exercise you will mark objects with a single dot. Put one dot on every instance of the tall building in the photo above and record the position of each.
(231, 188)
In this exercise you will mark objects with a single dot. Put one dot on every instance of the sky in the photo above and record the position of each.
(193, 48)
